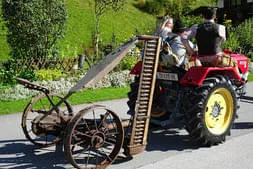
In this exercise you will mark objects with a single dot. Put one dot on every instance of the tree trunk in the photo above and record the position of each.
(96, 38)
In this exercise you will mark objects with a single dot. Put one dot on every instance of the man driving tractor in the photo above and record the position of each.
(209, 37)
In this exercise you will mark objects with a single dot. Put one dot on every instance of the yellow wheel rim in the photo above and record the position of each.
(157, 112)
(219, 111)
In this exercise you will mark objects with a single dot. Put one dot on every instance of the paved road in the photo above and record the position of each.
(168, 147)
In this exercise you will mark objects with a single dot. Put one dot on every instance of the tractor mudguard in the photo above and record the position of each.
(196, 75)
(137, 69)
(242, 61)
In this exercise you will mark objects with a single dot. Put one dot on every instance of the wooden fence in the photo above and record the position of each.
(67, 64)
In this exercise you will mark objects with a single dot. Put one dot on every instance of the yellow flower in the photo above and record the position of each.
(228, 21)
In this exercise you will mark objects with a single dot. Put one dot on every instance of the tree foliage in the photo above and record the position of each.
(175, 8)
(101, 6)
(244, 31)
(34, 26)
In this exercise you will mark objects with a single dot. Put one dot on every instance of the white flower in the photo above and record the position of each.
(115, 79)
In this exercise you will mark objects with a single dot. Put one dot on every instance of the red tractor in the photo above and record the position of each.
(205, 97)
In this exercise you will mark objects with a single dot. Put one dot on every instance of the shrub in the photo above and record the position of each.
(232, 41)
(244, 32)
(49, 75)
(127, 63)
(190, 20)
(174, 8)
(10, 70)
(7, 77)
(250, 55)
(27, 74)
(34, 26)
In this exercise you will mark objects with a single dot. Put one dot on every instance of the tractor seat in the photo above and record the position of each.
(31, 85)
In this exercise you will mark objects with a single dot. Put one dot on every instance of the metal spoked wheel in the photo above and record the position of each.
(41, 127)
(93, 138)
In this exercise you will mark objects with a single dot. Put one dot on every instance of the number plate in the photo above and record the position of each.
(167, 76)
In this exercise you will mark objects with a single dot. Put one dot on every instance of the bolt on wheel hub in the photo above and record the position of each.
(216, 110)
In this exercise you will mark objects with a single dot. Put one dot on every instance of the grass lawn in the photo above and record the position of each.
(85, 96)
(250, 77)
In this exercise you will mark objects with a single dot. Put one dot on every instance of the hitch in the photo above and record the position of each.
(247, 98)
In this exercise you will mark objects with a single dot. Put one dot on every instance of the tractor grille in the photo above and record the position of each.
(145, 94)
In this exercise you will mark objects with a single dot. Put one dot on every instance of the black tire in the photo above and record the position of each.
(210, 111)
(132, 95)
(158, 108)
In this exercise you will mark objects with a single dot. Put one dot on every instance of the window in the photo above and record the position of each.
(233, 2)
(237, 2)
(220, 3)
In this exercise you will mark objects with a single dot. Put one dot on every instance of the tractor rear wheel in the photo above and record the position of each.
(158, 110)
(210, 111)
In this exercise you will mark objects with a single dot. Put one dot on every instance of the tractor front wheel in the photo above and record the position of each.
(210, 111)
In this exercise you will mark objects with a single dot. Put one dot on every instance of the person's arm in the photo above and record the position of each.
(190, 33)
(222, 32)
(188, 47)
(162, 27)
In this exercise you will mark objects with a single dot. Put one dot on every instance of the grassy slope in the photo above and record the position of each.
(4, 49)
(81, 25)
(205, 3)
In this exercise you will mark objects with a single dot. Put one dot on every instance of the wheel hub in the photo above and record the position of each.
(98, 139)
(216, 110)
(43, 125)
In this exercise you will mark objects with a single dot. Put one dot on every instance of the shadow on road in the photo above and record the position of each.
(20, 155)
(169, 138)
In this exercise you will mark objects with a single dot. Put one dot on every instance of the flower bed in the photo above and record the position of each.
(62, 86)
